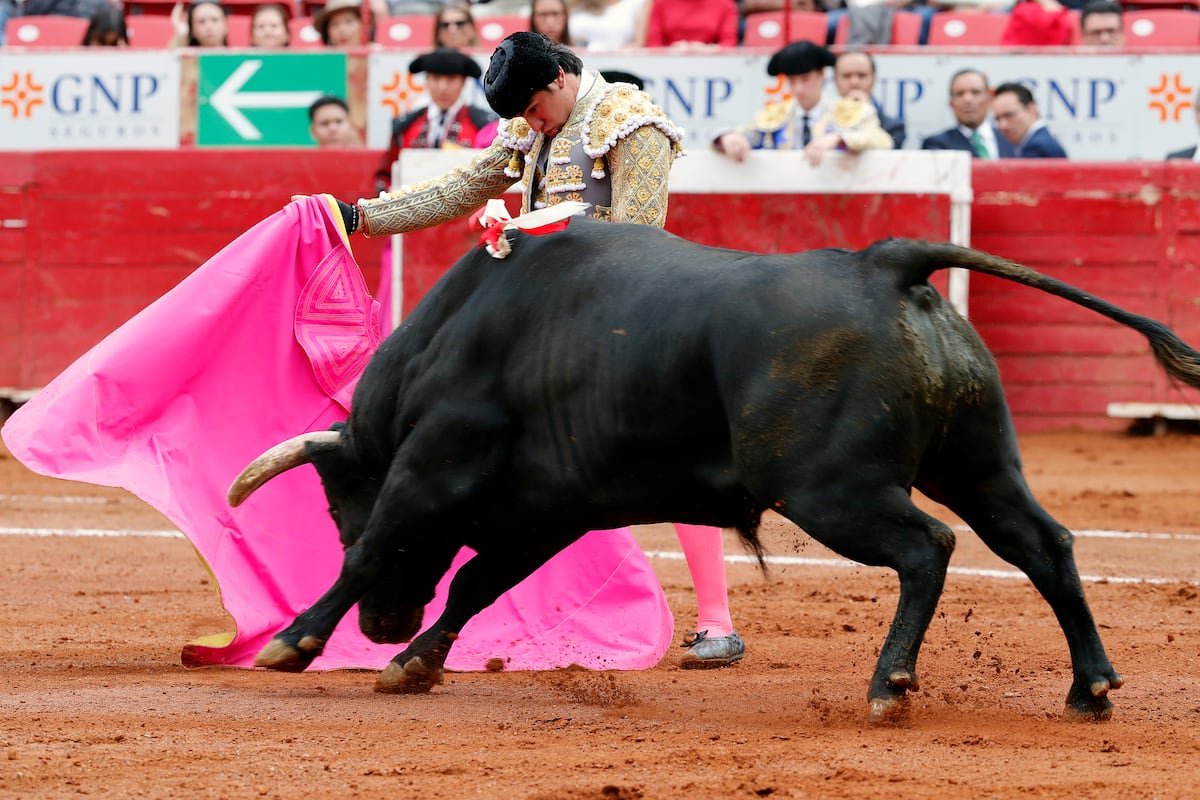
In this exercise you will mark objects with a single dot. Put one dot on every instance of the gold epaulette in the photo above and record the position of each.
(517, 136)
(849, 112)
(620, 111)
(773, 117)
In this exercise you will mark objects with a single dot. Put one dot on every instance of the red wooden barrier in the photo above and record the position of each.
(108, 232)
(105, 233)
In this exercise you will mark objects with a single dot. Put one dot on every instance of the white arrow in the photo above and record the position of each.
(228, 100)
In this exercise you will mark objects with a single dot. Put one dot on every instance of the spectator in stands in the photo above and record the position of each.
(785, 125)
(329, 123)
(107, 28)
(446, 121)
(205, 23)
(871, 21)
(1016, 117)
(688, 23)
(340, 22)
(855, 69)
(1038, 23)
(1101, 24)
(1189, 153)
(850, 124)
(550, 18)
(969, 100)
(269, 27)
(454, 27)
(608, 24)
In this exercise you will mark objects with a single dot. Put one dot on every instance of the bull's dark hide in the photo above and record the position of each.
(616, 374)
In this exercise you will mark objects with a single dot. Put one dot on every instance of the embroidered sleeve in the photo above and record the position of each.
(442, 199)
(641, 168)
(857, 125)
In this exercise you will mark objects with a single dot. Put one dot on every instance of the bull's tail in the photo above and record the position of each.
(916, 261)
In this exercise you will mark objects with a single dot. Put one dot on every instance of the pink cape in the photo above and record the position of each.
(264, 341)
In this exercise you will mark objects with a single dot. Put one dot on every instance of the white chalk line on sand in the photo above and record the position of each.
(675, 555)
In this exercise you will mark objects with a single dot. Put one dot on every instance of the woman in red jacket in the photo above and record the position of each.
(682, 22)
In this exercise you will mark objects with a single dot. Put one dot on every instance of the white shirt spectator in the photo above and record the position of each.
(611, 29)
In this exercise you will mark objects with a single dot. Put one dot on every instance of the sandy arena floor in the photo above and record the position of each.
(93, 700)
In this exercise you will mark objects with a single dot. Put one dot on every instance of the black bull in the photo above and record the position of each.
(616, 374)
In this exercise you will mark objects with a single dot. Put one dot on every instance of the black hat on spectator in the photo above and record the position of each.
(798, 58)
(617, 76)
(446, 61)
(521, 65)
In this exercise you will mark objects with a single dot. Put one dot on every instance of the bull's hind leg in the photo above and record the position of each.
(881, 527)
(1003, 512)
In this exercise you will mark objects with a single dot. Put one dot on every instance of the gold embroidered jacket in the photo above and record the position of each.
(614, 151)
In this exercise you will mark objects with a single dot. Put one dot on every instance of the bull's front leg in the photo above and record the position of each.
(475, 586)
(295, 647)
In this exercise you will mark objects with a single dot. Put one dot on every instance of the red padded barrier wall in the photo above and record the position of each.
(1125, 232)
(106, 233)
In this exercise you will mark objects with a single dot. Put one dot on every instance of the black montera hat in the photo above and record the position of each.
(521, 65)
(446, 61)
(617, 76)
(798, 58)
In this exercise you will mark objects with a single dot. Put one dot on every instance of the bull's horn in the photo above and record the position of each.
(278, 459)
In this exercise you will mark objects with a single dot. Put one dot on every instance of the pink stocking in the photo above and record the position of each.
(704, 549)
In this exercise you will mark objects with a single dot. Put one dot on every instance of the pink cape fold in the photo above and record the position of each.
(264, 341)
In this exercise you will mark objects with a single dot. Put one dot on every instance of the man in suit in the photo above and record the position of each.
(1188, 153)
(1017, 119)
(855, 69)
(969, 99)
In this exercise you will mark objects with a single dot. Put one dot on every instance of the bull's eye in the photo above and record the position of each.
(337, 518)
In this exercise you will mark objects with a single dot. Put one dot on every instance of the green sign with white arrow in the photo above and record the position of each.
(263, 100)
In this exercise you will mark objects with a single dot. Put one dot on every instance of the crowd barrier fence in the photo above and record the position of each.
(88, 238)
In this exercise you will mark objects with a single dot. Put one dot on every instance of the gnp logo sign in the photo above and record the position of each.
(89, 101)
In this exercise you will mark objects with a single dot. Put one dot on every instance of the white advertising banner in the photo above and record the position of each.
(1101, 107)
(117, 100)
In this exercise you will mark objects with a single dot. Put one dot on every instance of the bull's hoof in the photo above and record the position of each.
(1091, 704)
(414, 677)
(888, 710)
(283, 657)
(889, 704)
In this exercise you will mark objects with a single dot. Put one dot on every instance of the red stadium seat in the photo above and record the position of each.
(45, 31)
(1164, 27)
(239, 30)
(979, 29)
(493, 29)
(765, 29)
(412, 31)
(149, 30)
(906, 28)
(304, 35)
